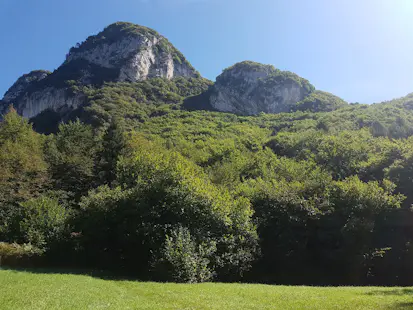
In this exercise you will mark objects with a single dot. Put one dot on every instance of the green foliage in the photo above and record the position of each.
(183, 260)
(114, 32)
(249, 66)
(44, 221)
(113, 145)
(326, 231)
(400, 172)
(319, 101)
(16, 255)
(137, 102)
(72, 154)
(393, 119)
(23, 170)
(321, 195)
(272, 76)
(22, 165)
(119, 30)
(345, 154)
(159, 191)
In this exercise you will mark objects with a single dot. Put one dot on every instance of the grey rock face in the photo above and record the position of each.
(249, 88)
(136, 51)
(22, 84)
(30, 99)
(49, 98)
(121, 52)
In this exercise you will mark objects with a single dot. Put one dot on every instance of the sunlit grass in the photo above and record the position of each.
(26, 290)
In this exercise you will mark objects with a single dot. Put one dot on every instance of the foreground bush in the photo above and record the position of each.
(133, 226)
(183, 260)
(44, 221)
(15, 255)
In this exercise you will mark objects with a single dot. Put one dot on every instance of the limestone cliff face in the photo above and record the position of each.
(50, 98)
(23, 83)
(136, 52)
(121, 52)
(248, 88)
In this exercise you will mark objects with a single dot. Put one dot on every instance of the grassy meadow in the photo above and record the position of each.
(35, 290)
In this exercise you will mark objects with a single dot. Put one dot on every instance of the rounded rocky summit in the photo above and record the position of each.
(248, 88)
(137, 53)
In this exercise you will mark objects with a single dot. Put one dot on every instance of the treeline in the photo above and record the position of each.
(200, 196)
(118, 201)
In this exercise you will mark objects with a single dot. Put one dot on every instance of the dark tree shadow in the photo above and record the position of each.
(402, 305)
(397, 292)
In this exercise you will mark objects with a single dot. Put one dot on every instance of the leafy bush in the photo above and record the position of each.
(72, 154)
(16, 255)
(160, 190)
(44, 221)
(23, 170)
(183, 260)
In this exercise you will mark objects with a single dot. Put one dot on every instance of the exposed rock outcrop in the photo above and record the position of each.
(137, 52)
(124, 52)
(248, 88)
(23, 83)
(50, 98)
(121, 52)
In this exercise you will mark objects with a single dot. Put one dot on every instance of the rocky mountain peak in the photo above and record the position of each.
(248, 88)
(246, 71)
(136, 52)
(121, 52)
(23, 83)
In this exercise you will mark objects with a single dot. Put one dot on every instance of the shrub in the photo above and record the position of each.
(16, 255)
(183, 260)
(44, 221)
(160, 190)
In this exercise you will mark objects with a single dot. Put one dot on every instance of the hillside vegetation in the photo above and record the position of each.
(134, 183)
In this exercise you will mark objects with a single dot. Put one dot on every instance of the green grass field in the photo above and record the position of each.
(26, 290)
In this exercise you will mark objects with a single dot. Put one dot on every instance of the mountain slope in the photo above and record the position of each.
(293, 186)
(121, 52)
(125, 52)
(249, 88)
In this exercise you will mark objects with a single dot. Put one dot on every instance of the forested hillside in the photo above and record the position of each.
(146, 188)
(145, 178)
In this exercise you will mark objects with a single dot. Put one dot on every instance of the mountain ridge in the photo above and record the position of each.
(121, 52)
(147, 177)
(125, 52)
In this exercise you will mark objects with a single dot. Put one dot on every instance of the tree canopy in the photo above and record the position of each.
(137, 184)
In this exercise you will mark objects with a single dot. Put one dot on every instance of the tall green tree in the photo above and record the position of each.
(23, 170)
(72, 155)
(159, 192)
(113, 146)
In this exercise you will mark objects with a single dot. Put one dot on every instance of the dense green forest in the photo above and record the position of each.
(134, 182)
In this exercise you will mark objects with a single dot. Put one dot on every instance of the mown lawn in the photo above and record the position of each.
(27, 290)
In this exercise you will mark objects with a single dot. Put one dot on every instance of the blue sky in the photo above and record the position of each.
(360, 50)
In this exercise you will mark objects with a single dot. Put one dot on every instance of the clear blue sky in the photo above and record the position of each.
(360, 50)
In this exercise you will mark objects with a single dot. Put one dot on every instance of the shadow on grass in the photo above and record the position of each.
(100, 274)
(394, 292)
(402, 305)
